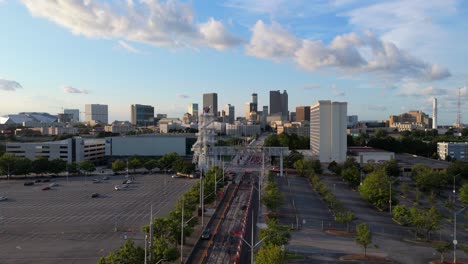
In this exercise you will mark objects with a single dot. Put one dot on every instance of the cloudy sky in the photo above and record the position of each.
(382, 57)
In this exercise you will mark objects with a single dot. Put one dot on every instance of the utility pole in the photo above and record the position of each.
(151, 234)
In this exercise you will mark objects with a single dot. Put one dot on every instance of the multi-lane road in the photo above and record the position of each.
(66, 225)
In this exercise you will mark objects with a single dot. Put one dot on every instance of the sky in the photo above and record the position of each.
(382, 57)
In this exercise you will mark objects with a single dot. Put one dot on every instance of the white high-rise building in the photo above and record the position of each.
(96, 112)
(328, 122)
(434, 113)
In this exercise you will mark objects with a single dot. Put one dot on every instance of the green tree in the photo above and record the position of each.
(73, 168)
(400, 214)
(134, 164)
(317, 166)
(23, 166)
(150, 165)
(376, 189)
(275, 234)
(270, 254)
(442, 247)
(166, 162)
(345, 217)
(40, 165)
(57, 166)
(272, 198)
(128, 253)
(118, 165)
(464, 194)
(363, 236)
(425, 221)
(352, 176)
(405, 189)
(300, 166)
(391, 168)
(87, 166)
(7, 164)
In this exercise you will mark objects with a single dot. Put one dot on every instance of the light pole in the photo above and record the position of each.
(454, 190)
(146, 246)
(252, 246)
(455, 242)
(182, 225)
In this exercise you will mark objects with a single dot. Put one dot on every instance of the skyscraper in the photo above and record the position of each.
(193, 110)
(328, 122)
(303, 113)
(434, 113)
(254, 106)
(211, 100)
(279, 103)
(142, 115)
(75, 114)
(96, 112)
(230, 113)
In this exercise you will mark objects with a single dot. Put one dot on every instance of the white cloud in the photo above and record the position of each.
(9, 85)
(271, 42)
(413, 89)
(216, 35)
(347, 52)
(73, 90)
(128, 47)
(161, 23)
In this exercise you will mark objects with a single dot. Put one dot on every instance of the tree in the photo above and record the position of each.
(376, 189)
(134, 164)
(345, 217)
(442, 247)
(40, 165)
(270, 254)
(272, 197)
(464, 194)
(300, 166)
(118, 165)
(391, 168)
(128, 253)
(150, 165)
(363, 236)
(73, 168)
(352, 176)
(57, 166)
(7, 164)
(400, 214)
(275, 234)
(425, 221)
(166, 162)
(87, 166)
(380, 133)
(23, 166)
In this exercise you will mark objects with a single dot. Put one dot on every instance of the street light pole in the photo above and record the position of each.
(182, 234)
(146, 242)
(390, 199)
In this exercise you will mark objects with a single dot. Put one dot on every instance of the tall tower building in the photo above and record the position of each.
(434, 113)
(75, 113)
(303, 113)
(193, 110)
(279, 103)
(328, 122)
(96, 112)
(255, 102)
(230, 113)
(142, 115)
(211, 100)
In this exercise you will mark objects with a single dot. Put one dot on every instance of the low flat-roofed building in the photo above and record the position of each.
(71, 150)
(298, 128)
(407, 161)
(370, 155)
(454, 150)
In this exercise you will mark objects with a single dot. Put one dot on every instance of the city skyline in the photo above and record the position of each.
(381, 57)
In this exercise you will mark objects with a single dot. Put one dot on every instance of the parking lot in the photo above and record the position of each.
(66, 225)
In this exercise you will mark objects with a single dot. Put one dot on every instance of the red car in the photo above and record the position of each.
(46, 188)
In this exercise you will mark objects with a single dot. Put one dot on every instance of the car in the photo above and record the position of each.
(54, 184)
(28, 183)
(3, 198)
(36, 181)
(206, 234)
(94, 195)
(117, 187)
(129, 181)
(46, 188)
(96, 181)
(105, 178)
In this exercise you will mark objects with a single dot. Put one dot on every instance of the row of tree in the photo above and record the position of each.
(167, 231)
(171, 161)
(12, 165)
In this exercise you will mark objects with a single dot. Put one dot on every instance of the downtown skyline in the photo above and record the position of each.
(382, 57)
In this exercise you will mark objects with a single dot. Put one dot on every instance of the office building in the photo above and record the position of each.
(96, 113)
(75, 114)
(453, 150)
(352, 121)
(142, 115)
(193, 110)
(279, 103)
(434, 113)
(328, 122)
(418, 118)
(254, 106)
(230, 113)
(303, 113)
(210, 100)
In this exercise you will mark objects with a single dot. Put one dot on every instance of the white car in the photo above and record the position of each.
(54, 184)
(117, 187)
(3, 198)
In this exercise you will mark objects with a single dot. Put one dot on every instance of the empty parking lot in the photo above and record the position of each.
(66, 225)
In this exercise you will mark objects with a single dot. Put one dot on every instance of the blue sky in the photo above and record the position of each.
(382, 57)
